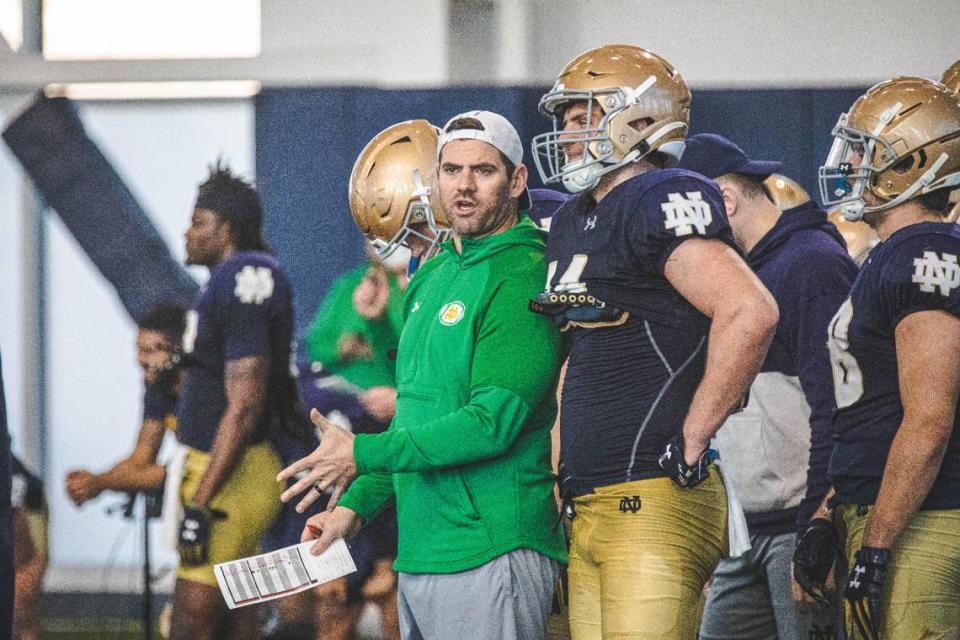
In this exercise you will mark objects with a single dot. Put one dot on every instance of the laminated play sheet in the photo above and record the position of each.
(281, 573)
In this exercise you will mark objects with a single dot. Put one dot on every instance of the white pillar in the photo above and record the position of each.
(513, 41)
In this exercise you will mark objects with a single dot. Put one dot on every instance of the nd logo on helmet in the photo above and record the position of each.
(451, 313)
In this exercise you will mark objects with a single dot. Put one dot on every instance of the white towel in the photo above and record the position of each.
(172, 508)
(736, 522)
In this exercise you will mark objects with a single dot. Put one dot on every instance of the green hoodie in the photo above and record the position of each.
(337, 317)
(468, 454)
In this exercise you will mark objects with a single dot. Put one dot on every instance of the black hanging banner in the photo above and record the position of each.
(78, 182)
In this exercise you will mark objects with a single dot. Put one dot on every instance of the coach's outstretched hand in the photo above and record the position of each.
(327, 526)
(330, 466)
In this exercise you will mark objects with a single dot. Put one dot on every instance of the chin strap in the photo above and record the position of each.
(928, 178)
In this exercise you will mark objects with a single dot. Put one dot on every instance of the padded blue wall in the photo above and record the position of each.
(307, 140)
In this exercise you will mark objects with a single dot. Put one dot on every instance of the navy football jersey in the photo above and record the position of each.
(245, 309)
(160, 404)
(914, 270)
(636, 347)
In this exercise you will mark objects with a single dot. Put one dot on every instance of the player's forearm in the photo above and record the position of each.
(245, 382)
(234, 433)
(139, 471)
(912, 467)
(818, 485)
(740, 334)
(131, 475)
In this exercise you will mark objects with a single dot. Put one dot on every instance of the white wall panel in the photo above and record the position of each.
(732, 43)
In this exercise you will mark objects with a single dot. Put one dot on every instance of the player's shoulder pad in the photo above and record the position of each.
(665, 181)
(251, 277)
(678, 201)
(926, 255)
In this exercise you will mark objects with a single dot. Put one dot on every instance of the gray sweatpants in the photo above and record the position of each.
(507, 598)
(751, 598)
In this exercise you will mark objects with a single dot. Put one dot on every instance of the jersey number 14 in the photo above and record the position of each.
(570, 280)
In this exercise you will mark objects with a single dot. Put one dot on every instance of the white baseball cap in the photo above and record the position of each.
(493, 129)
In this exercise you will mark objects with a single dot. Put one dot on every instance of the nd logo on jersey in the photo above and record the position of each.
(683, 214)
(451, 313)
(254, 284)
(933, 272)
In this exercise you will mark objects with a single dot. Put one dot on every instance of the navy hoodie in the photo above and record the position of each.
(786, 424)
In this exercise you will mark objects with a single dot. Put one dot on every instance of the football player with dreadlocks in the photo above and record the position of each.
(237, 392)
(666, 326)
(895, 353)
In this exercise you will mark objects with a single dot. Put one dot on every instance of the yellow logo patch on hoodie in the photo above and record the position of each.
(451, 313)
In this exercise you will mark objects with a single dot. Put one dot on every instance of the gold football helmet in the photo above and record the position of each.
(645, 107)
(392, 193)
(859, 236)
(786, 193)
(900, 140)
(951, 77)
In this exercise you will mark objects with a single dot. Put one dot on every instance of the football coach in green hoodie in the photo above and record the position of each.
(468, 455)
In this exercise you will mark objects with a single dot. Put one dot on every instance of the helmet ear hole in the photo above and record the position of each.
(904, 165)
(641, 123)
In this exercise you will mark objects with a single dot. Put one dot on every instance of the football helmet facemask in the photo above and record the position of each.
(644, 104)
(786, 193)
(392, 193)
(951, 77)
(899, 141)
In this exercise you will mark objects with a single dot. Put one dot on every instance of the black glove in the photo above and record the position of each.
(565, 490)
(863, 589)
(673, 463)
(193, 543)
(815, 555)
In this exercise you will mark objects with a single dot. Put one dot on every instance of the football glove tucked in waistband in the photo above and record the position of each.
(579, 308)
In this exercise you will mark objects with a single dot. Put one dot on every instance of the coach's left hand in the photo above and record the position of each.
(330, 466)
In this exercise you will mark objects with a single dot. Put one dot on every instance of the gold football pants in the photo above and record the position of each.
(251, 499)
(640, 555)
(921, 595)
